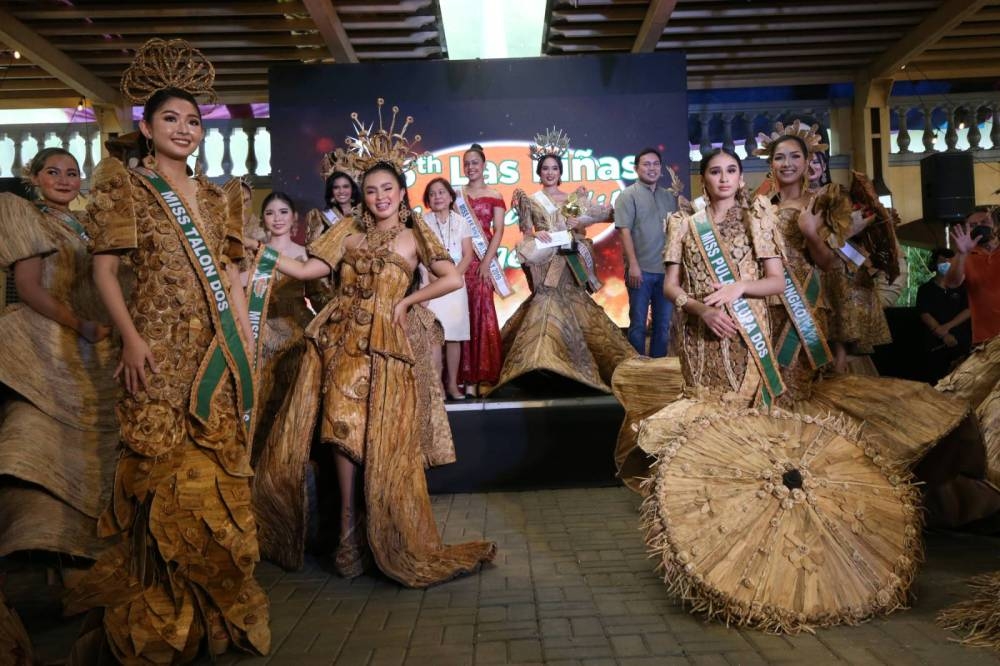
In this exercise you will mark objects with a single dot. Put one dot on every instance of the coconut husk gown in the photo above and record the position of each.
(358, 388)
(58, 434)
(182, 567)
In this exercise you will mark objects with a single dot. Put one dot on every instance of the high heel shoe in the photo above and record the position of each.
(347, 559)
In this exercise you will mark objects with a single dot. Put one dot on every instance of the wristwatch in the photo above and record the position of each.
(681, 300)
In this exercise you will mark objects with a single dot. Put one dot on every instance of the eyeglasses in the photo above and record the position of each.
(646, 165)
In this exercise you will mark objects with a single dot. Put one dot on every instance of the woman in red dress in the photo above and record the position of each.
(482, 354)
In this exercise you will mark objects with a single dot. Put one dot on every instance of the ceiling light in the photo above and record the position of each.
(17, 55)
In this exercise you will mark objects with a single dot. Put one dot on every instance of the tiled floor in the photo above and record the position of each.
(571, 585)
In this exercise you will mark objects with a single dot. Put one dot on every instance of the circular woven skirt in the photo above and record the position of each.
(777, 521)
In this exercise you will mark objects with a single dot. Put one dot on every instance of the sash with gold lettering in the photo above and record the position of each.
(227, 347)
(258, 290)
(480, 245)
(66, 219)
(754, 335)
(579, 259)
(802, 326)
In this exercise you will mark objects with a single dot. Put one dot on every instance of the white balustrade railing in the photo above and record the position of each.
(230, 147)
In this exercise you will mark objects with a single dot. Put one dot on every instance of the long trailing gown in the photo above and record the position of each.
(182, 567)
(482, 354)
(362, 387)
(58, 434)
(559, 328)
(280, 345)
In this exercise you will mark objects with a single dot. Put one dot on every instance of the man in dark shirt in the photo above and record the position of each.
(944, 312)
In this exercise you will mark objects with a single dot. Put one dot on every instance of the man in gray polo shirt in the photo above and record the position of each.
(640, 212)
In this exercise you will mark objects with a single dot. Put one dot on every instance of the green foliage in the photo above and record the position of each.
(918, 273)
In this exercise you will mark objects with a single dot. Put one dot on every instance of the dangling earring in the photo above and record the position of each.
(367, 219)
(404, 213)
(772, 181)
(704, 193)
(149, 161)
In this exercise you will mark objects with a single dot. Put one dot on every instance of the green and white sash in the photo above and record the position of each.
(581, 261)
(227, 347)
(480, 245)
(258, 292)
(66, 219)
(802, 327)
(754, 335)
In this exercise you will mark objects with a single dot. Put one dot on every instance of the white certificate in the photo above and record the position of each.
(558, 238)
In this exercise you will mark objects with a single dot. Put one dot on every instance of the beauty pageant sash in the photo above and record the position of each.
(258, 291)
(754, 335)
(480, 245)
(579, 259)
(802, 330)
(68, 220)
(226, 349)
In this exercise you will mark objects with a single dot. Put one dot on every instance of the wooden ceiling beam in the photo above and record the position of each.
(754, 10)
(177, 27)
(409, 22)
(657, 16)
(202, 42)
(217, 56)
(968, 69)
(725, 80)
(38, 100)
(324, 15)
(44, 54)
(151, 10)
(936, 25)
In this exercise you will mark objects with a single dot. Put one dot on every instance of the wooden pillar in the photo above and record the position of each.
(870, 128)
(112, 121)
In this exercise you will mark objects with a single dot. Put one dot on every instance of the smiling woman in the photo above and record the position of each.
(182, 570)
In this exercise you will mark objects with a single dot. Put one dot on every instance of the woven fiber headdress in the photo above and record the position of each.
(369, 146)
(553, 142)
(810, 135)
(163, 64)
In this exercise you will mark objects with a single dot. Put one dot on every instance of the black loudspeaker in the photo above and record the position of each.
(948, 186)
(15, 185)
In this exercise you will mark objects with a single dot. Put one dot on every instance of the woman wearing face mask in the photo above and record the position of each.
(60, 423)
(560, 329)
(944, 311)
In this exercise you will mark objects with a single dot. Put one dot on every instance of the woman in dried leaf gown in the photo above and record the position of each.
(359, 377)
(59, 432)
(560, 328)
(182, 569)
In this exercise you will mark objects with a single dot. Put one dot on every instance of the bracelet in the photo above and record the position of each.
(681, 299)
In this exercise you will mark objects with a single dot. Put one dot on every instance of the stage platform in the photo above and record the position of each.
(549, 433)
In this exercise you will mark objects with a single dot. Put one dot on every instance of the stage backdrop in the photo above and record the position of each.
(610, 106)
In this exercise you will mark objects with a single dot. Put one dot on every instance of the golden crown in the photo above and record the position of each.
(810, 135)
(163, 64)
(552, 142)
(369, 146)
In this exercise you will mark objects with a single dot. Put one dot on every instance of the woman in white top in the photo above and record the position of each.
(452, 309)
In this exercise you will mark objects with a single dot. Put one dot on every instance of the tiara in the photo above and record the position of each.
(161, 64)
(809, 135)
(553, 142)
(369, 146)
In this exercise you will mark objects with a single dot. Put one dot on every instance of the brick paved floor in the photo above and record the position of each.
(571, 586)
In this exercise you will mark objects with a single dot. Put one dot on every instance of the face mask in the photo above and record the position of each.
(943, 267)
(984, 232)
